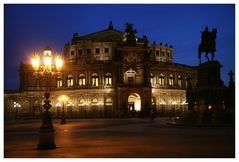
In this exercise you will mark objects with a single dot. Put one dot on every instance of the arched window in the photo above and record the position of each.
(179, 81)
(95, 100)
(108, 79)
(69, 80)
(59, 82)
(161, 80)
(152, 79)
(95, 79)
(82, 101)
(108, 101)
(82, 80)
(171, 80)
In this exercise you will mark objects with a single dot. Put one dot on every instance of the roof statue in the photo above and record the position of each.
(208, 43)
(130, 34)
(110, 25)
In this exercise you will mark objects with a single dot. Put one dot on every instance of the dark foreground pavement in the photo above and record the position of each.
(119, 138)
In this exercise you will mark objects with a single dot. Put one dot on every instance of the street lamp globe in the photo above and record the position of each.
(35, 61)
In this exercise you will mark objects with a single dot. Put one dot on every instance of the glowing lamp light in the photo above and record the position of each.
(100, 103)
(59, 63)
(47, 52)
(162, 103)
(174, 103)
(47, 60)
(209, 107)
(36, 62)
(63, 98)
(184, 103)
(58, 104)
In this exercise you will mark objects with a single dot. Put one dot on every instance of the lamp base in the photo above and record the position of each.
(63, 120)
(46, 139)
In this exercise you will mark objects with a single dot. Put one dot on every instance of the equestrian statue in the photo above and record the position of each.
(208, 43)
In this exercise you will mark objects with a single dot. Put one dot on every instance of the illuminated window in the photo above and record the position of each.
(107, 50)
(95, 100)
(179, 81)
(161, 80)
(82, 80)
(108, 100)
(59, 82)
(171, 80)
(108, 79)
(82, 101)
(70, 80)
(152, 79)
(95, 79)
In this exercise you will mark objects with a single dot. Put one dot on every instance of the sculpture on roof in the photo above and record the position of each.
(110, 25)
(208, 43)
(130, 34)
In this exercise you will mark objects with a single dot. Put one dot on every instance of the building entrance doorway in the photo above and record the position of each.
(134, 104)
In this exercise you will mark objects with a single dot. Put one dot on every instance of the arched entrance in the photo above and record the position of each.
(134, 104)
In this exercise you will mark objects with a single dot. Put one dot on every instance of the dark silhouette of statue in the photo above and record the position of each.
(145, 41)
(208, 43)
(130, 34)
(231, 81)
(110, 25)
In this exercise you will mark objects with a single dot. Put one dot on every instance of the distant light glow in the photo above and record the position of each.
(174, 103)
(209, 107)
(162, 103)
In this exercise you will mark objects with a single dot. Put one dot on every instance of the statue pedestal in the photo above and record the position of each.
(46, 139)
(209, 76)
(207, 98)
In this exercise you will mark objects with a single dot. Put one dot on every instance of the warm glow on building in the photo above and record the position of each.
(59, 63)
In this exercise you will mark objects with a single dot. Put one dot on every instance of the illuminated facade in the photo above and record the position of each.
(103, 76)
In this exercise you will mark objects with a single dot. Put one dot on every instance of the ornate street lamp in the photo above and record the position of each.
(16, 106)
(47, 70)
(64, 100)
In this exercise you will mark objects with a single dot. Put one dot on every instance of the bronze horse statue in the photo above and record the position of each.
(208, 44)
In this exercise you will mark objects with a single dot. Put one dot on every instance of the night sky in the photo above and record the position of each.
(29, 28)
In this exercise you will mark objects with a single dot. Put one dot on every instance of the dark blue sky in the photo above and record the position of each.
(29, 28)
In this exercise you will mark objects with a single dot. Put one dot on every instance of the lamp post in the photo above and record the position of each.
(16, 107)
(47, 70)
(100, 105)
(58, 105)
(174, 103)
(70, 106)
(63, 99)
